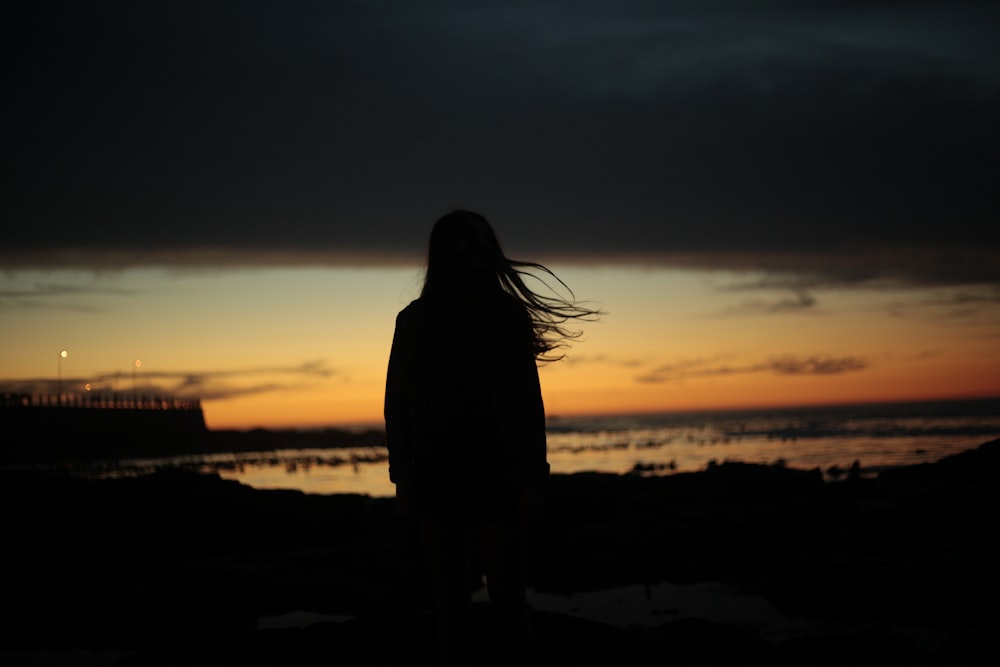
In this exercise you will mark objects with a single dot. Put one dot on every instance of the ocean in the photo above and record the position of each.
(833, 439)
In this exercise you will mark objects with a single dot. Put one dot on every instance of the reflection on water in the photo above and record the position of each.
(831, 439)
(296, 469)
(567, 454)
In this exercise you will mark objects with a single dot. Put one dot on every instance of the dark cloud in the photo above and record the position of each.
(603, 359)
(786, 365)
(56, 296)
(772, 134)
(216, 385)
(816, 365)
(800, 301)
(45, 293)
(206, 385)
(954, 307)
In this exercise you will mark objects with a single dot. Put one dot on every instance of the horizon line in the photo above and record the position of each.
(378, 424)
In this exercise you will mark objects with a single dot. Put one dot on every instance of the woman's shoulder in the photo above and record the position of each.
(411, 313)
(414, 307)
(498, 304)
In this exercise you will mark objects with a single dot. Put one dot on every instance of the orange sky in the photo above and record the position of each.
(308, 347)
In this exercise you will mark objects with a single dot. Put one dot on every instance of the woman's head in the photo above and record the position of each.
(463, 254)
(465, 258)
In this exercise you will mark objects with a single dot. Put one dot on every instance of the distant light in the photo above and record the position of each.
(138, 363)
(64, 354)
(87, 386)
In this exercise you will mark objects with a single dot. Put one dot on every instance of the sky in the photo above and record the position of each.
(775, 202)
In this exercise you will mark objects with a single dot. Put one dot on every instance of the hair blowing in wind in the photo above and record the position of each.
(465, 258)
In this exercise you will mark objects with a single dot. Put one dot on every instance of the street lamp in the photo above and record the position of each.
(62, 355)
(135, 365)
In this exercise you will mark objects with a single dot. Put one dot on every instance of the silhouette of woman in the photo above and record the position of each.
(465, 421)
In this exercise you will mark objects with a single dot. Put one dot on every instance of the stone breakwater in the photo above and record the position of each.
(82, 427)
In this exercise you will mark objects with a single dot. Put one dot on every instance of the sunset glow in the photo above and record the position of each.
(777, 204)
(305, 348)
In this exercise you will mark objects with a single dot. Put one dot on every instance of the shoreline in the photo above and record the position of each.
(178, 568)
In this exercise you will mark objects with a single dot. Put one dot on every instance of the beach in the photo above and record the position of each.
(737, 563)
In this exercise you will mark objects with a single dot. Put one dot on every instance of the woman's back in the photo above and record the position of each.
(463, 388)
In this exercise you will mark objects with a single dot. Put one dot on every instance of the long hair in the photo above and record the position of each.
(464, 258)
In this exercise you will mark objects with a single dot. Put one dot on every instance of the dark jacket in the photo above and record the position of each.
(463, 406)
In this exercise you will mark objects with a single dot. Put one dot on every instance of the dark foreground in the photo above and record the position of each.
(175, 569)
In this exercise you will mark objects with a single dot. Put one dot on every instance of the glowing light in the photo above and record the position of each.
(136, 364)
(62, 355)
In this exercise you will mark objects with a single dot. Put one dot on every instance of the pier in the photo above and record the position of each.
(44, 428)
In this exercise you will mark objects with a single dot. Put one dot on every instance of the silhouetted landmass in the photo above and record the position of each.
(44, 430)
(81, 427)
(175, 568)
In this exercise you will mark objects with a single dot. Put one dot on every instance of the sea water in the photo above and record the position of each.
(832, 439)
